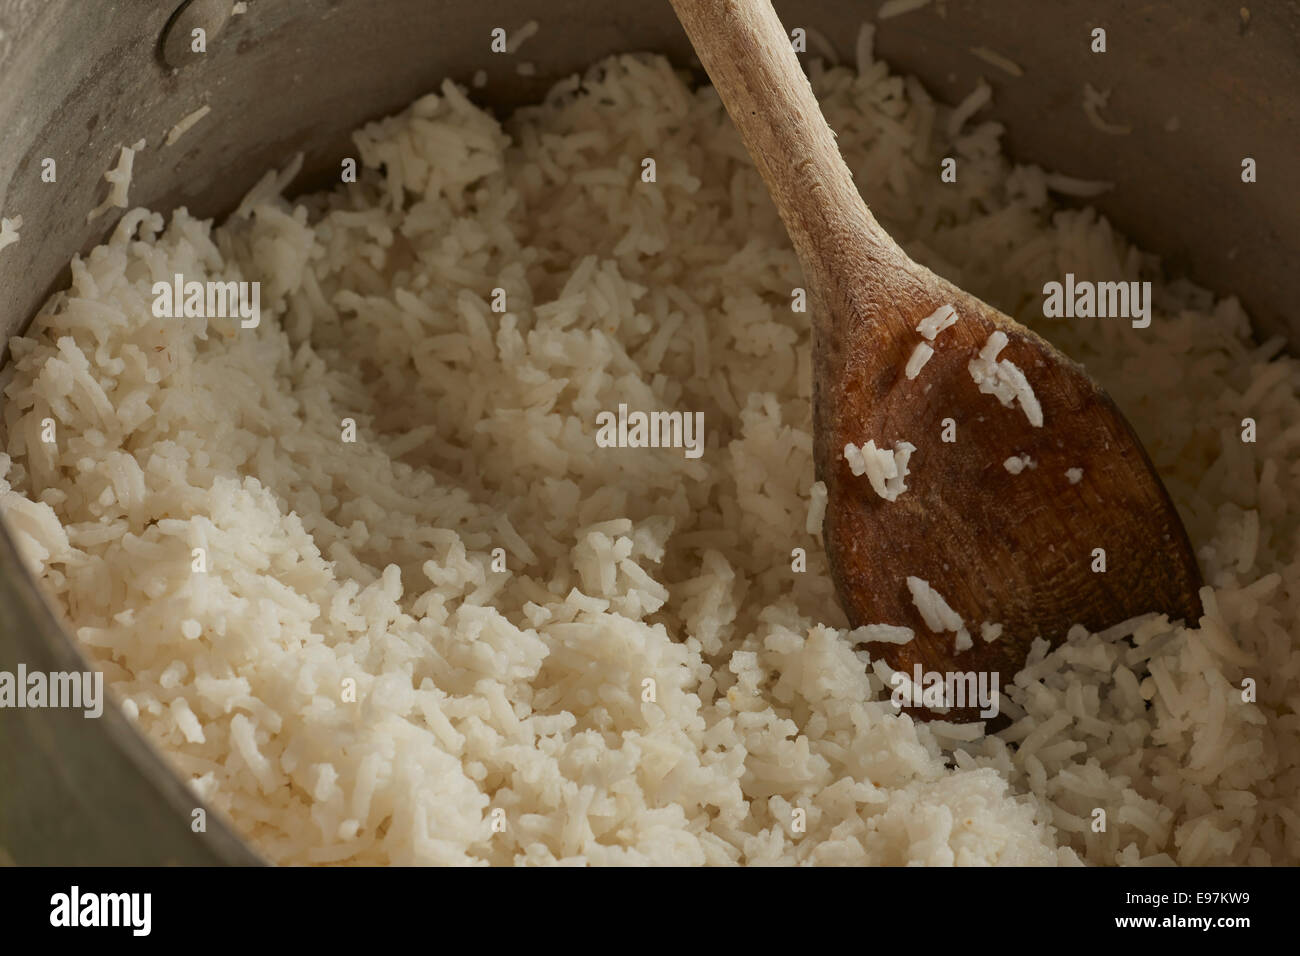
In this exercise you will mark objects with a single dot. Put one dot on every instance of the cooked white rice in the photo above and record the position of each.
(1094, 101)
(978, 98)
(816, 508)
(9, 230)
(1073, 186)
(886, 469)
(186, 123)
(934, 610)
(994, 58)
(941, 318)
(916, 361)
(649, 680)
(1003, 379)
(1018, 463)
(521, 36)
(119, 181)
(881, 633)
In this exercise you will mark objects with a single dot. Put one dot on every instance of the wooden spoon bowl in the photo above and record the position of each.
(1024, 550)
(1020, 550)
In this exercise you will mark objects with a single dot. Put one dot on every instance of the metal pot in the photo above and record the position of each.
(81, 77)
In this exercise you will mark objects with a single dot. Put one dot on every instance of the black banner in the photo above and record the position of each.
(298, 906)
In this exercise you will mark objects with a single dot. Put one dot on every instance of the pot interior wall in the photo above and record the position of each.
(81, 79)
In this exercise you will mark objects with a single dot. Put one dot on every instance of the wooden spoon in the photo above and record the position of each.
(1017, 550)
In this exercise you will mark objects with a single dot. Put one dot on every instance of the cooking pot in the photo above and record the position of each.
(1203, 84)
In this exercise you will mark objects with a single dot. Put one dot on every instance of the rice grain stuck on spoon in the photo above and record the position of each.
(1078, 530)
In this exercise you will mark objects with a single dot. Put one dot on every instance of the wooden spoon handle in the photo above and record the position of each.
(753, 67)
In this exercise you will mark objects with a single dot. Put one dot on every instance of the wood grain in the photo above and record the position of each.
(1010, 549)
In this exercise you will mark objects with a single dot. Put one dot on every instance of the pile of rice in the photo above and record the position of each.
(648, 681)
